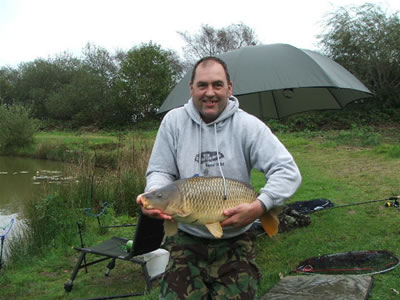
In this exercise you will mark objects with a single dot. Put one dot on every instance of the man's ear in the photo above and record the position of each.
(191, 88)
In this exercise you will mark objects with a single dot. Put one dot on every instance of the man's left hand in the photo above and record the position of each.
(243, 214)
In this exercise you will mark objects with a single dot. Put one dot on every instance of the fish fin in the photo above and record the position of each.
(183, 213)
(170, 228)
(215, 229)
(270, 221)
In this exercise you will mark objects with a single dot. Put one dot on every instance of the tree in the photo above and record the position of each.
(17, 128)
(82, 101)
(40, 78)
(101, 62)
(366, 41)
(211, 41)
(147, 76)
(8, 81)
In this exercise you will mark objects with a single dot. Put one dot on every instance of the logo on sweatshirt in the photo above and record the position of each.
(210, 158)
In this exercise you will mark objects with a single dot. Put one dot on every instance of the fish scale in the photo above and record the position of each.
(205, 197)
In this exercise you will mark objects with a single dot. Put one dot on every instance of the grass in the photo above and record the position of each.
(69, 145)
(332, 167)
(344, 175)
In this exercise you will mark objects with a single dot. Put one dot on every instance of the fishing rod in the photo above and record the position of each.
(393, 198)
(105, 206)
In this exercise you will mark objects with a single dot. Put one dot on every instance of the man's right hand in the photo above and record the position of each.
(153, 213)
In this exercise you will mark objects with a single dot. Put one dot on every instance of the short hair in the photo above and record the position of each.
(209, 58)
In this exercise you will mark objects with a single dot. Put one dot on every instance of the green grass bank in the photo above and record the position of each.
(345, 166)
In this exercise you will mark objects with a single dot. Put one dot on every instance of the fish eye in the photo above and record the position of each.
(159, 195)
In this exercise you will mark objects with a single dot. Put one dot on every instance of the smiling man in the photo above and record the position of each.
(212, 136)
(210, 88)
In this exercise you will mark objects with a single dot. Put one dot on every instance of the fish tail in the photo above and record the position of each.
(270, 221)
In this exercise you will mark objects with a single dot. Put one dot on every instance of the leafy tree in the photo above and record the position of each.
(211, 41)
(147, 75)
(366, 41)
(82, 102)
(40, 78)
(99, 89)
(8, 80)
(101, 62)
(17, 128)
(177, 65)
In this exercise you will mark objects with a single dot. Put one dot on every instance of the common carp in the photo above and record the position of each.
(202, 200)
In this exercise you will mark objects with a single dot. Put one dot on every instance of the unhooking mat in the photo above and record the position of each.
(326, 287)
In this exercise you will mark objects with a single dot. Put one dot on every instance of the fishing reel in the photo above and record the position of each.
(394, 203)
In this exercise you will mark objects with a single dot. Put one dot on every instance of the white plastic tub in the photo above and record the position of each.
(156, 261)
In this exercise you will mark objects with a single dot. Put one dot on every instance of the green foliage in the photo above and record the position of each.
(146, 78)
(52, 216)
(17, 128)
(8, 79)
(99, 90)
(391, 151)
(277, 126)
(52, 150)
(363, 114)
(83, 101)
(366, 41)
(51, 219)
(38, 79)
(358, 136)
(344, 175)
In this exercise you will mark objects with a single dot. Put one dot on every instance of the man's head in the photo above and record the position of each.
(210, 87)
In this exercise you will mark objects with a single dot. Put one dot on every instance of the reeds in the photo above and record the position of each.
(51, 217)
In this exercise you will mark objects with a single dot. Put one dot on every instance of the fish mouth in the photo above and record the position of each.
(145, 202)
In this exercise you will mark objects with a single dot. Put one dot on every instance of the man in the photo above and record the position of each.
(211, 136)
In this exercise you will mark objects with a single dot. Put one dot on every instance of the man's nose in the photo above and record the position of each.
(210, 91)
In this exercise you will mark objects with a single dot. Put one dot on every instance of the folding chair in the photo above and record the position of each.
(145, 251)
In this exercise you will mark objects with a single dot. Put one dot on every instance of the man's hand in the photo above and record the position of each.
(243, 214)
(154, 213)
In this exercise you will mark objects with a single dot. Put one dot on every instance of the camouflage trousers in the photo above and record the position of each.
(202, 269)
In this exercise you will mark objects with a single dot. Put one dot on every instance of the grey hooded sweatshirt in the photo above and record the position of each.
(231, 146)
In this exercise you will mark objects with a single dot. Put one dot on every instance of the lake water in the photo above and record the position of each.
(20, 180)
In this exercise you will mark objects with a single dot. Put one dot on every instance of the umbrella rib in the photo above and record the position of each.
(261, 106)
(334, 97)
(275, 104)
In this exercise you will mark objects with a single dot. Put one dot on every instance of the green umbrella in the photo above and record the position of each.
(278, 80)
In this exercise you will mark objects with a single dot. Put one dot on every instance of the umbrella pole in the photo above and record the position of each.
(275, 104)
(261, 106)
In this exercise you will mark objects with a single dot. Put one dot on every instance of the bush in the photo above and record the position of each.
(17, 128)
(359, 136)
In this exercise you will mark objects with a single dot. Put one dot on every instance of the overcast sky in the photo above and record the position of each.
(30, 29)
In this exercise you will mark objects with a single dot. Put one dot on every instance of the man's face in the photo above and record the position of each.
(210, 90)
